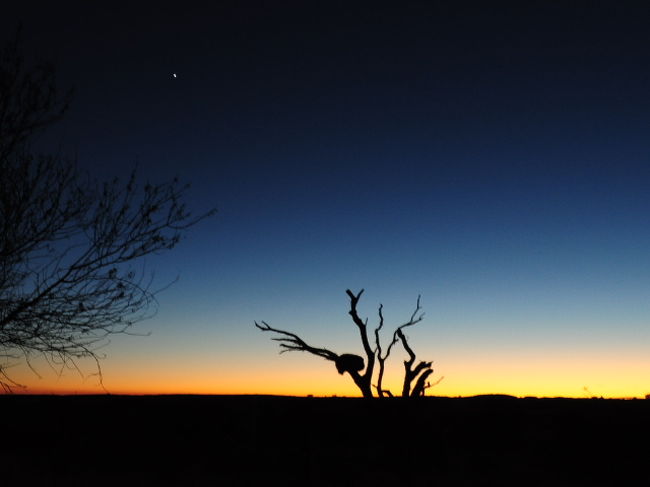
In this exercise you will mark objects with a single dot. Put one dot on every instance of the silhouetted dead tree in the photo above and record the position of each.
(420, 372)
(354, 364)
(423, 369)
(363, 381)
(68, 245)
(382, 356)
(398, 336)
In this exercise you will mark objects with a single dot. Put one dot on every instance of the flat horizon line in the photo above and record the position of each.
(309, 396)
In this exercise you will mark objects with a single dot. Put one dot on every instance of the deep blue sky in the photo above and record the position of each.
(492, 158)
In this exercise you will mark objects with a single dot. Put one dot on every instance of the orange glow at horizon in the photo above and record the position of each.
(554, 376)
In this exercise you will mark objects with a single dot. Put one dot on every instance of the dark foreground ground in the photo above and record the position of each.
(257, 440)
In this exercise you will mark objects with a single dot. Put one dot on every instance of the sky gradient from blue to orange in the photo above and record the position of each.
(494, 161)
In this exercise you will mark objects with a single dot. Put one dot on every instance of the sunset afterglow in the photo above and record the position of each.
(495, 164)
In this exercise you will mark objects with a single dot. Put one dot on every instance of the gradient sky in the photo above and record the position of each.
(492, 159)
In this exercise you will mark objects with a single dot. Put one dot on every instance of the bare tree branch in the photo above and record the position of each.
(364, 381)
(422, 369)
(34, 102)
(360, 323)
(293, 343)
(381, 358)
(352, 364)
(68, 245)
(398, 335)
